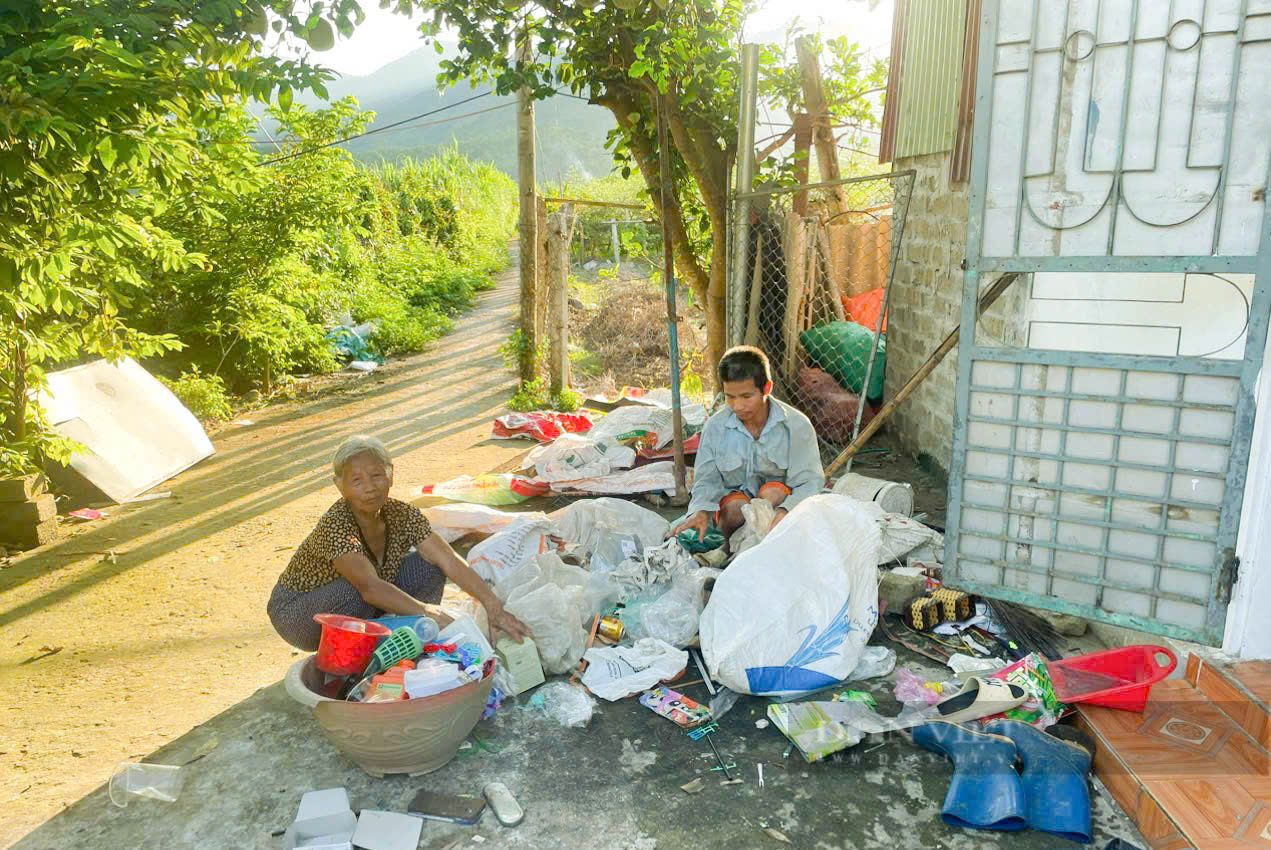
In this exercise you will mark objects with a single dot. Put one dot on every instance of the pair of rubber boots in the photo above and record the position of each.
(1049, 791)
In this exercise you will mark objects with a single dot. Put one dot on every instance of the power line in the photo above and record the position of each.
(315, 148)
(397, 126)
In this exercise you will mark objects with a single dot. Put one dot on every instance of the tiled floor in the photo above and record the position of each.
(1190, 769)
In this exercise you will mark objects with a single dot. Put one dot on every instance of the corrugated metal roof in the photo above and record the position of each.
(891, 100)
(930, 76)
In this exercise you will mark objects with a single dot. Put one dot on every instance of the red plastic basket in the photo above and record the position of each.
(1117, 678)
(346, 643)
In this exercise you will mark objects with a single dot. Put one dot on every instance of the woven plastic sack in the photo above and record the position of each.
(842, 349)
(794, 613)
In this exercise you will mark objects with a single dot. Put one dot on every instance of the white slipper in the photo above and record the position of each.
(980, 698)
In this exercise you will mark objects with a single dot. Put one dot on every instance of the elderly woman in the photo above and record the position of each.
(371, 555)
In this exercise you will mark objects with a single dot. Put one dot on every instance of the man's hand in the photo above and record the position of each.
(777, 517)
(502, 621)
(698, 521)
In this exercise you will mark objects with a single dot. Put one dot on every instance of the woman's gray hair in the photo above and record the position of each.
(356, 445)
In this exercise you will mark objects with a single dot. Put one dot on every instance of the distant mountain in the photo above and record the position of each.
(571, 132)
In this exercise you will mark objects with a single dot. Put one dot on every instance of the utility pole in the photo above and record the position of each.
(528, 234)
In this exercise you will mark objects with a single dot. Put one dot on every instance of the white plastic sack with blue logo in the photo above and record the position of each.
(794, 613)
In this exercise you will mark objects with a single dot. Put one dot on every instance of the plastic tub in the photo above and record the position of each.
(1116, 678)
(346, 643)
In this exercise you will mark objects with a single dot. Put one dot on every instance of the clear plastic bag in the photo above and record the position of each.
(875, 661)
(673, 617)
(555, 624)
(569, 705)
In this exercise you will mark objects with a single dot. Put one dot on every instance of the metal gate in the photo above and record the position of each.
(1103, 420)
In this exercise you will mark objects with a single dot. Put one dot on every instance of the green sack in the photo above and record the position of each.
(842, 348)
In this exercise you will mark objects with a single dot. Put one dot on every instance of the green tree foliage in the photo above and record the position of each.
(139, 220)
(104, 106)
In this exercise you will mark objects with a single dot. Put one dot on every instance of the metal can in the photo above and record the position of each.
(611, 628)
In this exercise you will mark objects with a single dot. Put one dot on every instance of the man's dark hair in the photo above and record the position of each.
(745, 361)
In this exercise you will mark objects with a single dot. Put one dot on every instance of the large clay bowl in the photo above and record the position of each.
(410, 736)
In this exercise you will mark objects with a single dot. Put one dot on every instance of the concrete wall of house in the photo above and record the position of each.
(926, 304)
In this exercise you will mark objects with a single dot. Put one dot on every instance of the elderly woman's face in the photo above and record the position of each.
(365, 482)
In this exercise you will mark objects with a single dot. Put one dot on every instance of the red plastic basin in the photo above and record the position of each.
(346, 643)
(1116, 678)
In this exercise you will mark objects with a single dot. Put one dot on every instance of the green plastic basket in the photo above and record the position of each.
(401, 645)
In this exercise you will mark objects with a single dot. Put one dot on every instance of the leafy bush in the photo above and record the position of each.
(535, 395)
(203, 395)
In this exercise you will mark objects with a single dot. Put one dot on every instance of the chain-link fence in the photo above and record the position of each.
(820, 261)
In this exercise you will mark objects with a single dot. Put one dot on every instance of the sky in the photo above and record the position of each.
(384, 36)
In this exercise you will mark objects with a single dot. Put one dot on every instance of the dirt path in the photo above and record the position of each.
(171, 629)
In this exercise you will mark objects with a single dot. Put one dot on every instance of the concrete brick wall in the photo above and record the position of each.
(926, 304)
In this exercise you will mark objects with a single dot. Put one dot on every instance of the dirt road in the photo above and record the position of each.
(134, 648)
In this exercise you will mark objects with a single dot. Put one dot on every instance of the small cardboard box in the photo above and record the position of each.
(522, 663)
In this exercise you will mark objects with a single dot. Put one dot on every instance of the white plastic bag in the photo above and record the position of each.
(555, 624)
(614, 672)
(518, 542)
(794, 613)
(572, 456)
(581, 523)
(758, 515)
(452, 522)
(900, 534)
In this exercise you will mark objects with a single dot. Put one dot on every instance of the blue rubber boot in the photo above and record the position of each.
(1053, 773)
(985, 791)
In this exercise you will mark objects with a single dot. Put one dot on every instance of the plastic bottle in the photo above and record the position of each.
(427, 629)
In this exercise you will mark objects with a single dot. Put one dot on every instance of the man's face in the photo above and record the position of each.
(745, 399)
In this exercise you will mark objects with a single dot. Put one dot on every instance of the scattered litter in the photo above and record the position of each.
(676, 707)
(574, 456)
(478, 839)
(701, 668)
(491, 489)
(1041, 708)
(968, 665)
(650, 478)
(761, 723)
(731, 781)
(911, 689)
(693, 787)
(518, 543)
(875, 661)
(773, 833)
(452, 522)
(910, 572)
(759, 768)
(363, 365)
(155, 781)
(722, 703)
(243, 422)
(377, 830)
(568, 704)
(540, 425)
(619, 671)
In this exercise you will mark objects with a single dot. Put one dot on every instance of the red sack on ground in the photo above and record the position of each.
(541, 425)
(831, 408)
(863, 309)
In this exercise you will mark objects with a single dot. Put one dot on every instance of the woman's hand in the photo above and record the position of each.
(502, 621)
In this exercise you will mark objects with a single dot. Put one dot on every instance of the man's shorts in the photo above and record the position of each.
(743, 497)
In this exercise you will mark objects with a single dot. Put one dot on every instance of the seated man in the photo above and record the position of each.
(755, 447)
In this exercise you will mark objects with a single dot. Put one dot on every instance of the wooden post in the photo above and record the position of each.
(802, 155)
(796, 271)
(540, 274)
(528, 235)
(827, 154)
(560, 227)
